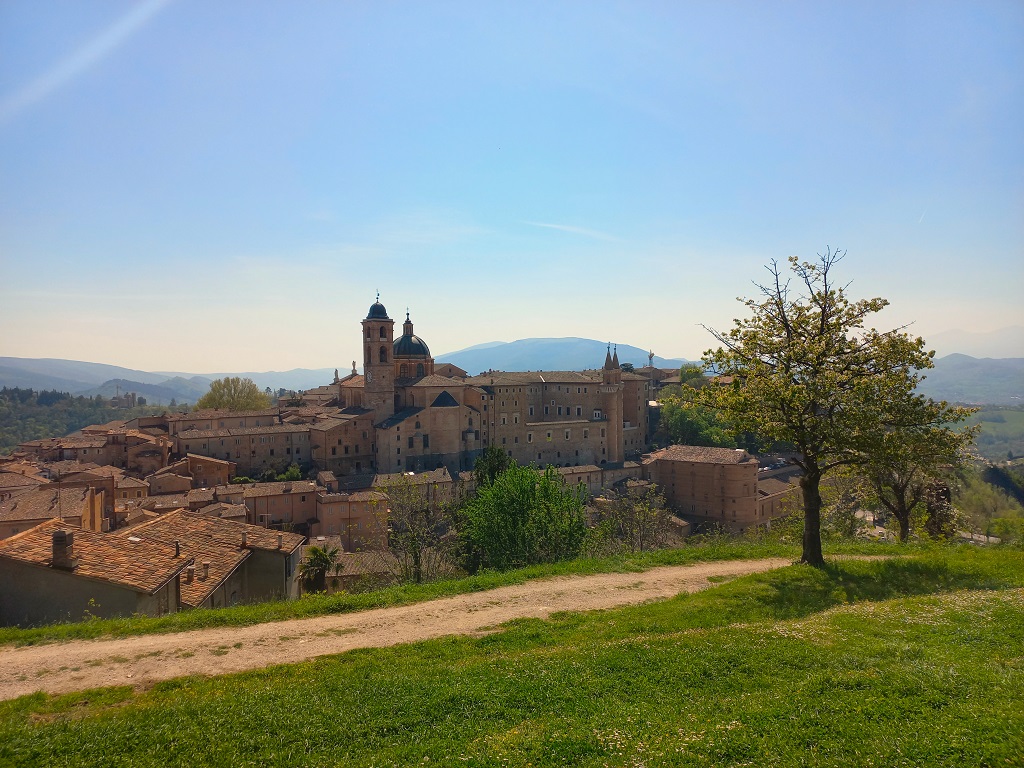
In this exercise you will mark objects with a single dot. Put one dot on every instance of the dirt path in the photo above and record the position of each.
(141, 661)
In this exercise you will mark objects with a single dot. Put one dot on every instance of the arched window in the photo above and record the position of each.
(403, 371)
(383, 332)
(419, 369)
(412, 401)
(368, 336)
(383, 354)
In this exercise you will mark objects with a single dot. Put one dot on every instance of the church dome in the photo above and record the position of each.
(377, 312)
(410, 345)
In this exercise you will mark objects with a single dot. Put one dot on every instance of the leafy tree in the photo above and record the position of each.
(522, 518)
(491, 463)
(292, 473)
(693, 375)
(317, 565)
(684, 421)
(807, 372)
(627, 367)
(908, 458)
(234, 393)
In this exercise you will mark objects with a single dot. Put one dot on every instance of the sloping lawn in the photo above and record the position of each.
(912, 661)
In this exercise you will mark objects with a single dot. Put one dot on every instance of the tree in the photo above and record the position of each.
(637, 516)
(317, 565)
(806, 372)
(693, 375)
(491, 463)
(522, 518)
(234, 393)
(908, 459)
(418, 522)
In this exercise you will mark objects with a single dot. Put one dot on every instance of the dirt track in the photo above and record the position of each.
(141, 661)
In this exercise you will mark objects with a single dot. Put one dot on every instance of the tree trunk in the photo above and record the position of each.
(903, 518)
(809, 485)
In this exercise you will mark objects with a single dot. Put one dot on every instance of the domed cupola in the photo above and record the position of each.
(410, 345)
(377, 311)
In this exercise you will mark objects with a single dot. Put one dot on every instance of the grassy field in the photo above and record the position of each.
(909, 661)
(1002, 431)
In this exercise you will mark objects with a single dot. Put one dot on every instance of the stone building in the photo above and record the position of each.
(718, 486)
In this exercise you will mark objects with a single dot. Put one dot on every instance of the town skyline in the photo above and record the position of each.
(170, 171)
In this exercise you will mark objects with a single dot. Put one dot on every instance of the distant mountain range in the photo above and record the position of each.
(1002, 343)
(956, 377)
(568, 354)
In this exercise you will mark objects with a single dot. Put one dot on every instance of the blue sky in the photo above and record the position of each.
(200, 186)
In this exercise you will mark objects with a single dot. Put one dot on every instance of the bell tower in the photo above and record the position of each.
(378, 365)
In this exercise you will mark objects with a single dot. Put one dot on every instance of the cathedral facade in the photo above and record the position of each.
(424, 416)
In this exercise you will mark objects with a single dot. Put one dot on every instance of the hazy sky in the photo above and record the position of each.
(201, 186)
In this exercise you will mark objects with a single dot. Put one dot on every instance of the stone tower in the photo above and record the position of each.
(378, 362)
(611, 395)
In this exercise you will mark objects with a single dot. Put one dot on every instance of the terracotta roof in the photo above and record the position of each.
(201, 458)
(279, 488)
(197, 545)
(701, 454)
(198, 434)
(436, 380)
(165, 501)
(144, 566)
(44, 503)
(197, 495)
(214, 413)
(353, 381)
(15, 480)
(582, 468)
(225, 510)
(130, 482)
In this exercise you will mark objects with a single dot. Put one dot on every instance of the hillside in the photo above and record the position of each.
(963, 379)
(561, 354)
(908, 661)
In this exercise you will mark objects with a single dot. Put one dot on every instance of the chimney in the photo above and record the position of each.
(64, 550)
(280, 540)
(245, 538)
(190, 574)
(177, 548)
(206, 569)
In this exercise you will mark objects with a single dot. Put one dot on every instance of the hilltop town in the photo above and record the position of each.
(173, 494)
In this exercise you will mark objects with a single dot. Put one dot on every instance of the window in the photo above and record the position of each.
(302, 498)
(410, 442)
(529, 437)
(516, 441)
(515, 419)
(426, 441)
(383, 352)
(334, 450)
(567, 433)
(419, 369)
(502, 421)
(549, 437)
(346, 450)
(403, 371)
(597, 413)
(531, 410)
(586, 433)
(602, 433)
(559, 410)
(545, 410)
(271, 451)
(417, 425)
(579, 410)
(383, 332)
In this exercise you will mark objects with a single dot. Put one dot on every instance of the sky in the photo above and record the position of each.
(198, 186)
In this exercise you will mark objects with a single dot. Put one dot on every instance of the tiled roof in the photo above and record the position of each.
(436, 380)
(165, 501)
(353, 381)
(15, 480)
(207, 459)
(225, 510)
(701, 454)
(398, 418)
(198, 434)
(131, 482)
(214, 413)
(144, 566)
(44, 503)
(197, 495)
(225, 532)
(279, 488)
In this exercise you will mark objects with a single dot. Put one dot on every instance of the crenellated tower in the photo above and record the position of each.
(611, 394)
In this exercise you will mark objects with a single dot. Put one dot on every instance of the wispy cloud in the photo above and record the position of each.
(70, 67)
(582, 231)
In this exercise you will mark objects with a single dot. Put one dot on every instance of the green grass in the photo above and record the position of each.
(317, 605)
(908, 661)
